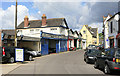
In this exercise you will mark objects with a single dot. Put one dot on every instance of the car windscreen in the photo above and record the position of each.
(118, 53)
(93, 51)
(91, 45)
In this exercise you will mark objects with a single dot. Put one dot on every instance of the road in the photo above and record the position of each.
(63, 63)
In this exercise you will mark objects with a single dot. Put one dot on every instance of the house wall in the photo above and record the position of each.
(106, 32)
(36, 31)
(115, 30)
(87, 36)
(97, 37)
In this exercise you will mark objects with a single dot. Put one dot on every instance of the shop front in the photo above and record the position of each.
(69, 42)
(118, 39)
(52, 43)
(112, 43)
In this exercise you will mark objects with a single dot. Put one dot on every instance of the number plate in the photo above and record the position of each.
(118, 60)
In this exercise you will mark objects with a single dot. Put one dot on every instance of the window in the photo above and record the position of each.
(53, 29)
(37, 30)
(84, 32)
(111, 27)
(31, 31)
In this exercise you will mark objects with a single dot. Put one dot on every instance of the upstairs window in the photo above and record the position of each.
(111, 27)
(84, 32)
(53, 29)
(31, 31)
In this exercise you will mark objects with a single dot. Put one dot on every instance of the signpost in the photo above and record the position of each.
(19, 55)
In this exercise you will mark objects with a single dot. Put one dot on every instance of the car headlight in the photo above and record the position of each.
(90, 57)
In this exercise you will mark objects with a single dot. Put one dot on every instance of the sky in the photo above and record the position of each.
(77, 13)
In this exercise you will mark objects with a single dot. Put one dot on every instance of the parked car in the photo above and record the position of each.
(90, 55)
(91, 47)
(8, 54)
(72, 49)
(108, 60)
(33, 52)
(0, 54)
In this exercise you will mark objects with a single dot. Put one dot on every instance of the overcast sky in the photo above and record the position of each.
(76, 13)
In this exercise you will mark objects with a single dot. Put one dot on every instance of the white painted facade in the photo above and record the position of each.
(106, 31)
(35, 32)
(115, 29)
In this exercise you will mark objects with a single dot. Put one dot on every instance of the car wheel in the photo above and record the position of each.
(86, 60)
(106, 69)
(11, 60)
(30, 58)
(96, 65)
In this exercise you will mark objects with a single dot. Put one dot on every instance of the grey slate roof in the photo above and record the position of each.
(93, 31)
(8, 32)
(50, 23)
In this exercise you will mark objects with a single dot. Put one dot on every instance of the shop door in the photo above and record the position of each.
(44, 46)
(57, 46)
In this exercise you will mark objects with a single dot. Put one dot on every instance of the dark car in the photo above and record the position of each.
(8, 54)
(91, 47)
(108, 60)
(72, 49)
(33, 52)
(90, 55)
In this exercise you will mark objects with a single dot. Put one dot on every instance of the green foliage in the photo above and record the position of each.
(101, 35)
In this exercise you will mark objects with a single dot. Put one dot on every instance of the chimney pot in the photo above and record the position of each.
(26, 21)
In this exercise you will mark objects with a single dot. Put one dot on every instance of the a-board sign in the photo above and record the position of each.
(19, 54)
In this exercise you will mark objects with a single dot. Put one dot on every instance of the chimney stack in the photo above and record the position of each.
(44, 20)
(26, 21)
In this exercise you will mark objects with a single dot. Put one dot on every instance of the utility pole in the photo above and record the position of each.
(15, 43)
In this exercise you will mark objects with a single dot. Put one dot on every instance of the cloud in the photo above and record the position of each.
(8, 16)
(78, 13)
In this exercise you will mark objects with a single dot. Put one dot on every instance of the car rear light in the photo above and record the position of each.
(113, 59)
(3, 51)
(116, 68)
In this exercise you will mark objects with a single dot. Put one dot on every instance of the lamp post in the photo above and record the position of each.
(15, 44)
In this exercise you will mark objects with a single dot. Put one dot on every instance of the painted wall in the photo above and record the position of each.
(115, 29)
(86, 36)
(106, 30)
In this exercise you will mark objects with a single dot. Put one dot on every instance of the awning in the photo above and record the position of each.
(118, 36)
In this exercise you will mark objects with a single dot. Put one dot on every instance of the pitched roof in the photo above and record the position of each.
(71, 31)
(113, 16)
(93, 31)
(8, 32)
(76, 32)
(50, 23)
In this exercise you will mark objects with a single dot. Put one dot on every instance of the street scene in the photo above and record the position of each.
(60, 38)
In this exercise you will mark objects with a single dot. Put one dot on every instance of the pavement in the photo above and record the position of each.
(62, 63)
